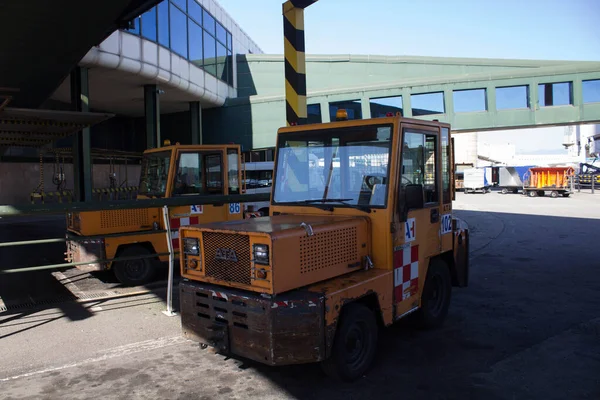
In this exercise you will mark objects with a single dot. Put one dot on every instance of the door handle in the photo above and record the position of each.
(435, 215)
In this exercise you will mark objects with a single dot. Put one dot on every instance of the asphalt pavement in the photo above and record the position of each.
(527, 327)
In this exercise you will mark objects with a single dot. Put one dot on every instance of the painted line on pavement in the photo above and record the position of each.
(120, 351)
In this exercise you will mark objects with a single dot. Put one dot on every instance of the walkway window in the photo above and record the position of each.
(591, 91)
(186, 28)
(469, 100)
(314, 114)
(512, 97)
(352, 107)
(555, 94)
(427, 103)
(179, 43)
(380, 106)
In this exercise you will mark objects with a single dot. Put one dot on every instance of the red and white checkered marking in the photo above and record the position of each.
(175, 224)
(406, 272)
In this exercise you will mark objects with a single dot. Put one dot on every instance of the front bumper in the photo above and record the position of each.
(89, 250)
(285, 330)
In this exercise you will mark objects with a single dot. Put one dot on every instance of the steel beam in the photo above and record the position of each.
(195, 122)
(152, 115)
(61, 208)
(82, 160)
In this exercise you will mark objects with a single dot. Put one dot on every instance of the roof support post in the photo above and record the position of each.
(152, 115)
(82, 160)
(195, 122)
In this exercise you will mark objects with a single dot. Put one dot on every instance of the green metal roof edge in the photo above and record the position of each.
(484, 77)
(416, 60)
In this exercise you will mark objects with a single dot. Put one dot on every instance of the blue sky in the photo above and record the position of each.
(525, 29)
(532, 29)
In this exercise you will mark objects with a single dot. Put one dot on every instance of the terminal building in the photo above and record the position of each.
(187, 72)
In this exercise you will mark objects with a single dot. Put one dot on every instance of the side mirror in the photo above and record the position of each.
(414, 197)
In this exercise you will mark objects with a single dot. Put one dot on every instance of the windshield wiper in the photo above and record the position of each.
(342, 201)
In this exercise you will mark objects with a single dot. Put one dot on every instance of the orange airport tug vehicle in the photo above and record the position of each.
(360, 234)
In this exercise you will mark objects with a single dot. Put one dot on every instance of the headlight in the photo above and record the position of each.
(191, 246)
(261, 254)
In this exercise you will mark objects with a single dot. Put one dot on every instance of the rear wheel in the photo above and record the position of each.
(504, 191)
(355, 344)
(435, 299)
(135, 272)
(554, 194)
(532, 193)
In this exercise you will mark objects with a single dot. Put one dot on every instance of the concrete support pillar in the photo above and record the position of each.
(82, 160)
(195, 122)
(152, 115)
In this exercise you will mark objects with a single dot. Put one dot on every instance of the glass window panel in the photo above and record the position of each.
(419, 163)
(178, 32)
(591, 91)
(221, 60)
(446, 167)
(210, 53)
(469, 100)
(163, 23)
(195, 11)
(149, 24)
(209, 22)
(560, 94)
(347, 166)
(512, 97)
(233, 171)
(230, 67)
(383, 105)
(229, 46)
(314, 114)
(136, 27)
(352, 107)
(221, 34)
(195, 40)
(427, 103)
(180, 3)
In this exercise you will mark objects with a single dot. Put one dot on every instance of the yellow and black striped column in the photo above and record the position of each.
(295, 63)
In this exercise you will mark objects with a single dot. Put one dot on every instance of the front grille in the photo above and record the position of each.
(227, 270)
(119, 218)
(328, 249)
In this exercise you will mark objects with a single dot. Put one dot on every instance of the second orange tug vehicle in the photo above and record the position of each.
(360, 234)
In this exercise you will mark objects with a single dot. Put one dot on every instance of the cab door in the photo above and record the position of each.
(418, 217)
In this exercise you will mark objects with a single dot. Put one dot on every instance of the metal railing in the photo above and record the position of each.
(8, 211)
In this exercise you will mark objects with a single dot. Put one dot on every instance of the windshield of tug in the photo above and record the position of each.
(345, 166)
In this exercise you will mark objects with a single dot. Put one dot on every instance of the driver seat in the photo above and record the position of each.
(378, 194)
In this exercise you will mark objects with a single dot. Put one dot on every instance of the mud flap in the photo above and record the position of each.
(461, 252)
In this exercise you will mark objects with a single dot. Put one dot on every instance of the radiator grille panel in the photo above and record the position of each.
(328, 249)
(227, 270)
(118, 218)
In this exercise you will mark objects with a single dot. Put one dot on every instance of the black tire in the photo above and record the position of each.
(532, 193)
(554, 194)
(357, 327)
(135, 272)
(504, 191)
(566, 194)
(436, 296)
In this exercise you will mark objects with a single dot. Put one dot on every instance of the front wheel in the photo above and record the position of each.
(355, 344)
(135, 272)
(435, 299)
